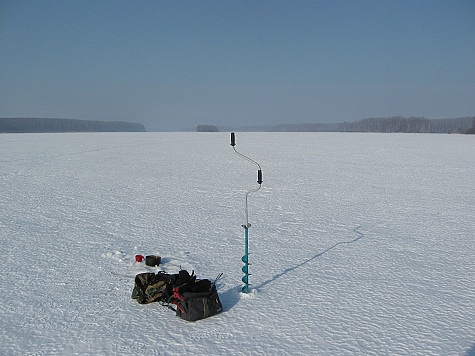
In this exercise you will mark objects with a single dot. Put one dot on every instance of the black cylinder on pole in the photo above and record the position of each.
(233, 139)
(259, 176)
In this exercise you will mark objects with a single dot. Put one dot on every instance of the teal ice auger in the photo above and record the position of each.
(246, 225)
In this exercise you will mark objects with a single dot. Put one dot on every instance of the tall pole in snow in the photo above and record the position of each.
(246, 224)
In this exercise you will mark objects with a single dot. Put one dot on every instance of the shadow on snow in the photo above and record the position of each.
(471, 351)
(287, 270)
(231, 297)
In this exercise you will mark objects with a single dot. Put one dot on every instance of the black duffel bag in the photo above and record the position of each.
(196, 300)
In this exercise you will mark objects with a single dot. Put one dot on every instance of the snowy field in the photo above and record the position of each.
(360, 243)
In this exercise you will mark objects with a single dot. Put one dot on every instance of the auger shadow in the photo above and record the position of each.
(290, 269)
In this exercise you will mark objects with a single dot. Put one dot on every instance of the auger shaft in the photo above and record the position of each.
(245, 259)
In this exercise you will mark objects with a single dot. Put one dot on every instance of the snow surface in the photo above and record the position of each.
(360, 243)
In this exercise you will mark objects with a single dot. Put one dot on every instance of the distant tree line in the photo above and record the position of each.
(471, 131)
(23, 125)
(410, 125)
(389, 124)
(207, 128)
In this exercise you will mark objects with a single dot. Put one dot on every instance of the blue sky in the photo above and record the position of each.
(174, 64)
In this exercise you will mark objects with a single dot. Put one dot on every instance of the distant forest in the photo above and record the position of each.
(389, 124)
(24, 125)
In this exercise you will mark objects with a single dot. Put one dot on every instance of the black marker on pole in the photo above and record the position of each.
(233, 139)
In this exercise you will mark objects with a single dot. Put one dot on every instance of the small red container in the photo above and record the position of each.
(138, 258)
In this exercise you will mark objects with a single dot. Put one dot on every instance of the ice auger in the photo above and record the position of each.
(246, 224)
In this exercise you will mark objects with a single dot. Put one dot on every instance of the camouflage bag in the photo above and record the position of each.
(151, 287)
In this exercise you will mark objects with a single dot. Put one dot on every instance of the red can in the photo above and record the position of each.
(138, 258)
